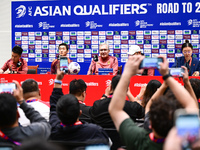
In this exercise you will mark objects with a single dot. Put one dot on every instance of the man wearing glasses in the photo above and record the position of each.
(192, 64)
(104, 61)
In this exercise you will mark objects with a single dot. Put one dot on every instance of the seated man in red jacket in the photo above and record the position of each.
(15, 65)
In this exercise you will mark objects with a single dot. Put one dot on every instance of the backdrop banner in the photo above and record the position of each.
(158, 27)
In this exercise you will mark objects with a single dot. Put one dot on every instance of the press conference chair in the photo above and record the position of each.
(32, 69)
(119, 70)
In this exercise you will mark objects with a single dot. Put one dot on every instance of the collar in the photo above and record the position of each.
(32, 100)
(151, 136)
(70, 125)
(81, 102)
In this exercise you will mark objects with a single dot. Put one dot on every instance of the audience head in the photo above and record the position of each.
(68, 109)
(8, 111)
(134, 50)
(16, 54)
(195, 83)
(30, 88)
(63, 49)
(77, 87)
(151, 88)
(187, 49)
(115, 81)
(162, 114)
(104, 50)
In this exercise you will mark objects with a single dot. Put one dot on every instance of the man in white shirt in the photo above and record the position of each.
(31, 94)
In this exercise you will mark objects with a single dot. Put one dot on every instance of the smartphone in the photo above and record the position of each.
(151, 63)
(7, 87)
(176, 71)
(188, 126)
(64, 64)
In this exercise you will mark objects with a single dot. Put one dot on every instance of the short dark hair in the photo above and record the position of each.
(30, 85)
(68, 109)
(115, 81)
(195, 83)
(8, 110)
(151, 88)
(64, 44)
(77, 87)
(162, 113)
(17, 49)
(186, 44)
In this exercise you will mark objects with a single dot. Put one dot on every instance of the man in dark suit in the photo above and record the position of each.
(99, 111)
(78, 89)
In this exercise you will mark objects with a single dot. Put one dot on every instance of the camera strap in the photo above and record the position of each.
(8, 139)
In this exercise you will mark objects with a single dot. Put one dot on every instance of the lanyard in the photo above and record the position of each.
(110, 96)
(9, 139)
(151, 136)
(31, 100)
(75, 124)
(81, 102)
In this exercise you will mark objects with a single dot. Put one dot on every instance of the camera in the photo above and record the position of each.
(176, 72)
(7, 87)
(151, 63)
(64, 64)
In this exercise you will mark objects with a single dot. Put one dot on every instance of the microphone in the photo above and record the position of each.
(58, 57)
(95, 58)
(19, 64)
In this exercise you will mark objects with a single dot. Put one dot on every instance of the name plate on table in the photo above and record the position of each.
(105, 71)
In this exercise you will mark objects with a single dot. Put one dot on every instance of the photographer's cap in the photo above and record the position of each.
(133, 49)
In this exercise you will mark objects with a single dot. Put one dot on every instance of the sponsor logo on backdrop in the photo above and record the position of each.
(21, 11)
(92, 25)
(142, 24)
(45, 25)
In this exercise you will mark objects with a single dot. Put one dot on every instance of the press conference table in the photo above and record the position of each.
(96, 84)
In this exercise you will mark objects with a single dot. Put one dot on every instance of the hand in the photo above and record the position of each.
(196, 73)
(108, 90)
(173, 141)
(7, 72)
(1, 71)
(60, 74)
(18, 92)
(185, 74)
(132, 65)
(164, 66)
(142, 90)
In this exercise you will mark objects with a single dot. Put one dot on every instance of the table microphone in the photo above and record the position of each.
(95, 58)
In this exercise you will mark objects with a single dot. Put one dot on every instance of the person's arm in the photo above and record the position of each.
(139, 97)
(118, 100)
(53, 67)
(91, 69)
(108, 91)
(115, 66)
(56, 94)
(1, 71)
(5, 67)
(188, 86)
(179, 91)
(24, 68)
(158, 93)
